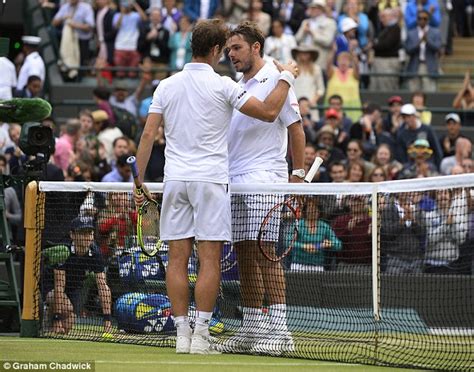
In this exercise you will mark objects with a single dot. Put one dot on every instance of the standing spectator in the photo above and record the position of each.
(105, 31)
(126, 23)
(310, 83)
(394, 119)
(79, 15)
(347, 38)
(318, 31)
(415, 7)
(453, 132)
(170, 16)
(101, 97)
(279, 45)
(32, 88)
(33, 63)
(64, 153)
(423, 45)
(291, 12)
(200, 9)
(180, 45)
(386, 47)
(153, 43)
(8, 79)
(255, 14)
(419, 165)
(412, 130)
(465, 99)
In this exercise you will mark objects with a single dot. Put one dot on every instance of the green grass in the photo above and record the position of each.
(122, 357)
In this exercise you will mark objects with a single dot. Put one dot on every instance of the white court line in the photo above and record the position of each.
(262, 364)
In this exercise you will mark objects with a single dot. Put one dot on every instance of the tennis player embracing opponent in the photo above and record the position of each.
(195, 106)
(257, 154)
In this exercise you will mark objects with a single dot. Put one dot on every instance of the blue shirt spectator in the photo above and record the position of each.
(194, 9)
(121, 173)
(362, 29)
(430, 6)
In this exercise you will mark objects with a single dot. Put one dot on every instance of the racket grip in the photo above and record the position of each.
(132, 162)
(313, 170)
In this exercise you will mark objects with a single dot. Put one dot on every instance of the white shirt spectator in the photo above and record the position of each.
(7, 78)
(128, 33)
(130, 104)
(205, 8)
(81, 13)
(33, 65)
(280, 48)
(192, 118)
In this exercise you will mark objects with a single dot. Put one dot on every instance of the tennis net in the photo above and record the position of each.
(378, 273)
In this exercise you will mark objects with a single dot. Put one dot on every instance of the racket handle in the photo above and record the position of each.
(132, 162)
(313, 170)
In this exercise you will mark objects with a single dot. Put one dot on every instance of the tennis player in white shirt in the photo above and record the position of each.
(195, 106)
(257, 154)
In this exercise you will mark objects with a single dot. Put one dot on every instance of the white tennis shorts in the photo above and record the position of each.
(195, 209)
(249, 210)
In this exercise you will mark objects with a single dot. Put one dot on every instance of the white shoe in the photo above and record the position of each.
(200, 344)
(280, 343)
(241, 342)
(183, 344)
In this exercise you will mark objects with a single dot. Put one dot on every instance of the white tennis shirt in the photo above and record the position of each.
(197, 106)
(258, 145)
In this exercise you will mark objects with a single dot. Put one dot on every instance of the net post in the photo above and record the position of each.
(34, 224)
(375, 255)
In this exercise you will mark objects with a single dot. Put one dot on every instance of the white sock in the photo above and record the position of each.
(252, 318)
(278, 317)
(182, 326)
(202, 323)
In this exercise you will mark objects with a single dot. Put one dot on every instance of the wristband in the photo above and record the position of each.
(287, 76)
(107, 317)
(57, 316)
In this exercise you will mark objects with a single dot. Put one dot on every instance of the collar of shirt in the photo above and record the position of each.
(198, 66)
(261, 76)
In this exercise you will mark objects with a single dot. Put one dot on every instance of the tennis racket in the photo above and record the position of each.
(279, 229)
(148, 219)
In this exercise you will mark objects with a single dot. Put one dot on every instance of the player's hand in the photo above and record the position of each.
(295, 179)
(290, 66)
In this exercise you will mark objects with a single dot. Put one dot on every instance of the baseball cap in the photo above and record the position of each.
(82, 223)
(421, 142)
(332, 113)
(395, 99)
(348, 24)
(452, 116)
(31, 40)
(408, 109)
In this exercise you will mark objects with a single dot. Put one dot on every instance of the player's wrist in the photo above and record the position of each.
(287, 76)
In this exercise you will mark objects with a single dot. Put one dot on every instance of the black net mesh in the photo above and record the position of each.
(323, 300)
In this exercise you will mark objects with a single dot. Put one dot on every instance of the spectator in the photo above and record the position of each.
(315, 239)
(355, 172)
(279, 45)
(419, 165)
(121, 146)
(153, 43)
(341, 133)
(255, 14)
(423, 45)
(412, 130)
(64, 153)
(87, 123)
(13, 212)
(463, 151)
(94, 156)
(16, 158)
(309, 126)
(402, 234)
(355, 153)
(180, 44)
(418, 99)
(415, 7)
(465, 99)
(343, 80)
(323, 152)
(155, 168)
(446, 230)
(292, 13)
(318, 31)
(101, 97)
(200, 9)
(8, 79)
(32, 88)
(378, 174)
(394, 119)
(105, 31)
(106, 132)
(310, 83)
(453, 132)
(326, 137)
(126, 24)
(122, 99)
(309, 156)
(78, 15)
(383, 157)
(386, 47)
(352, 10)
(33, 63)
(121, 172)
(336, 102)
(346, 40)
(170, 16)
(354, 229)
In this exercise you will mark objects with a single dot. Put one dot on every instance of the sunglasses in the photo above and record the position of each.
(378, 174)
(422, 18)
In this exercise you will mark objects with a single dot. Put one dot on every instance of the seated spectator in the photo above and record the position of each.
(94, 157)
(255, 14)
(418, 99)
(180, 45)
(153, 43)
(200, 9)
(123, 99)
(394, 119)
(318, 31)
(355, 153)
(87, 123)
(453, 132)
(419, 165)
(126, 24)
(463, 151)
(383, 157)
(336, 102)
(465, 99)
(15, 157)
(121, 172)
(64, 153)
(334, 119)
(326, 137)
(121, 146)
(279, 45)
(446, 229)
(415, 7)
(412, 130)
(32, 88)
(311, 84)
(402, 234)
(378, 174)
(309, 126)
(343, 80)
(354, 229)
(355, 172)
(315, 240)
(106, 132)
(423, 45)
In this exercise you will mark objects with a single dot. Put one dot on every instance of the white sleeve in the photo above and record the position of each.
(234, 93)
(156, 106)
(290, 113)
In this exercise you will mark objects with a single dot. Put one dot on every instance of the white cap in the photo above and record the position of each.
(452, 116)
(348, 24)
(408, 109)
(317, 3)
(31, 40)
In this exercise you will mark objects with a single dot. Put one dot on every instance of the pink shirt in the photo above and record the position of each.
(64, 151)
